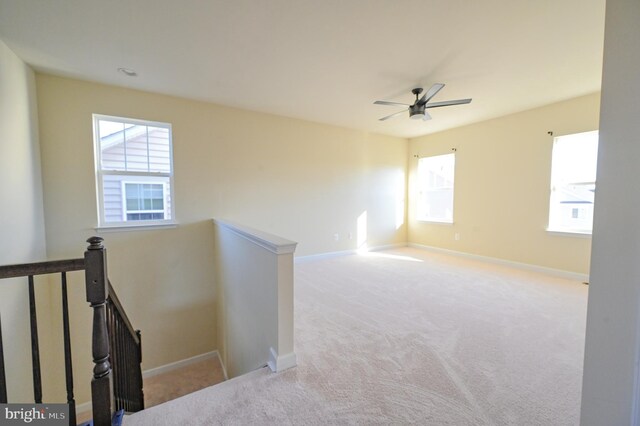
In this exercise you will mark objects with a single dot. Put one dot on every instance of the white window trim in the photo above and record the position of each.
(436, 221)
(130, 225)
(569, 232)
(137, 227)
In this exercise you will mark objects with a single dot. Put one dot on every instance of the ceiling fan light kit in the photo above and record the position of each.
(417, 111)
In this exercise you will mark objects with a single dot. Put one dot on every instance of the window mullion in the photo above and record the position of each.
(148, 159)
(125, 173)
(124, 144)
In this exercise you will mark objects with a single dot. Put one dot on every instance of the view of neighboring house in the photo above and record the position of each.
(576, 206)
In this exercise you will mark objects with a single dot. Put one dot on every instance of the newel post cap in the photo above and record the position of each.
(95, 243)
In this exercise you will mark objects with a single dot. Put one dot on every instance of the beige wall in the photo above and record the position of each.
(301, 180)
(502, 182)
(21, 219)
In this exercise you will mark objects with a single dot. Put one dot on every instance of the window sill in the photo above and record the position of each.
(567, 233)
(436, 221)
(128, 228)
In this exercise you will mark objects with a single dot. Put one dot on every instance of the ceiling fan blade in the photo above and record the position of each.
(426, 117)
(393, 115)
(389, 103)
(447, 103)
(430, 93)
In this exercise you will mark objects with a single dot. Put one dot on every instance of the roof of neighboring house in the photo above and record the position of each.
(577, 194)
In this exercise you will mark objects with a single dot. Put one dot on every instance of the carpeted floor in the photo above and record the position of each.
(182, 381)
(175, 383)
(412, 337)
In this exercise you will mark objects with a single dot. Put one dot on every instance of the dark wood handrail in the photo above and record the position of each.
(41, 268)
(113, 298)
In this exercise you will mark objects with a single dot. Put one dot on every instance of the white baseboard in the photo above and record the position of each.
(518, 265)
(327, 255)
(179, 364)
(224, 367)
(86, 406)
(331, 254)
(279, 363)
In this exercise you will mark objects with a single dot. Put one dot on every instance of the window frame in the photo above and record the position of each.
(136, 177)
(423, 188)
(568, 231)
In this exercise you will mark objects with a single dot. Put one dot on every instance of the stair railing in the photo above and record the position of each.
(117, 376)
(126, 356)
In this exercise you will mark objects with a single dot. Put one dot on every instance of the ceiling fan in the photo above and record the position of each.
(419, 108)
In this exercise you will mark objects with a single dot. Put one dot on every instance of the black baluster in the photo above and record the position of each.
(68, 365)
(138, 370)
(129, 377)
(121, 367)
(122, 351)
(132, 368)
(112, 346)
(35, 351)
(122, 363)
(117, 354)
(3, 378)
(125, 365)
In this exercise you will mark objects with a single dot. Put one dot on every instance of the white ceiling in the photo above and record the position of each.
(323, 60)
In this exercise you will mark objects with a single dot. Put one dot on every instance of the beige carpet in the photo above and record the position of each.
(182, 381)
(411, 337)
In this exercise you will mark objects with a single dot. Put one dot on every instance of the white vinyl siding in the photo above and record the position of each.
(112, 190)
(136, 149)
(136, 152)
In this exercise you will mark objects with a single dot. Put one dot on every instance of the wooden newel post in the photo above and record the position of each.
(97, 292)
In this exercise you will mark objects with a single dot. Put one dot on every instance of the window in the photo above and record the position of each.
(573, 182)
(144, 201)
(435, 198)
(134, 172)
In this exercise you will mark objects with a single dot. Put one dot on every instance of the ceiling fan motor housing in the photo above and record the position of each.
(416, 111)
